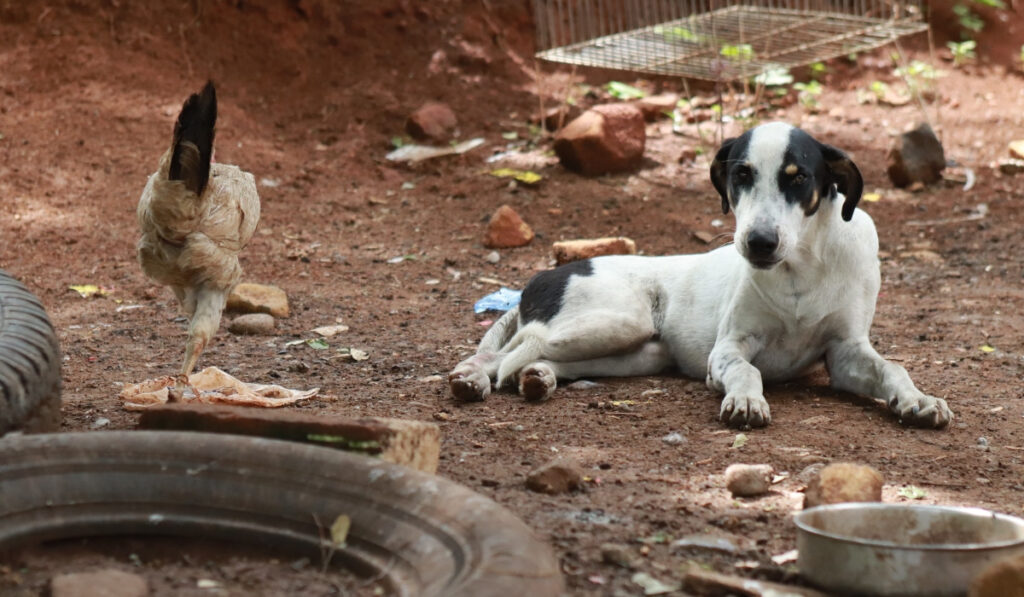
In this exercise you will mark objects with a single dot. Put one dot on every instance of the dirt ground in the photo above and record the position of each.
(311, 95)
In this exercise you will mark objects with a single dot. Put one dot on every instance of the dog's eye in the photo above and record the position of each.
(744, 175)
(799, 179)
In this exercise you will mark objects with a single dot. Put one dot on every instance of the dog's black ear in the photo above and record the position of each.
(845, 176)
(719, 172)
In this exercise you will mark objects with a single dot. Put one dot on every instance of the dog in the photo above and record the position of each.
(797, 287)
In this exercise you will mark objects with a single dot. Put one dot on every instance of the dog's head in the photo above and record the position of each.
(775, 177)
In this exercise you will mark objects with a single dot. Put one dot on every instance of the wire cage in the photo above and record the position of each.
(717, 40)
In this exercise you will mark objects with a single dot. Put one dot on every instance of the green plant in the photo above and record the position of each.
(818, 69)
(1021, 58)
(878, 88)
(622, 91)
(809, 93)
(738, 52)
(774, 77)
(962, 51)
(968, 19)
(678, 34)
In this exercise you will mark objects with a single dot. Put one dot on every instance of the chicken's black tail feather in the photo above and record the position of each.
(193, 140)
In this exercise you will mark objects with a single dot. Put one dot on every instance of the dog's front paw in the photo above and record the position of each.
(469, 384)
(537, 382)
(921, 411)
(745, 411)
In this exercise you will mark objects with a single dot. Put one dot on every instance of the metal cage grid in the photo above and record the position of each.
(714, 40)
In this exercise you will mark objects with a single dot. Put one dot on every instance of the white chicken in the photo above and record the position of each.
(195, 218)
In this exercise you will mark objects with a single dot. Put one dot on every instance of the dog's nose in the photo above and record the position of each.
(762, 243)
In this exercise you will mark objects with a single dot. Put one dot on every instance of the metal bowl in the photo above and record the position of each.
(890, 549)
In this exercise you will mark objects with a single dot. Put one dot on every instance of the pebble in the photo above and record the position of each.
(507, 229)
(582, 384)
(708, 542)
(674, 439)
(746, 480)
(492, 257)
(1016, 149)
(253, 324)
(99, 583)
(558, 476)
(618, 554)
(844, 482)
(100, 423)
(433, 121)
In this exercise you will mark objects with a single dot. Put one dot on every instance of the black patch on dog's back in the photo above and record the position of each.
(542, 297)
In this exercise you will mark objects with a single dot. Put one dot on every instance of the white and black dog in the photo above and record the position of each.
(798, 285)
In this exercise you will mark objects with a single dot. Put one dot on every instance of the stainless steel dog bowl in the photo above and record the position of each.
(890, 549)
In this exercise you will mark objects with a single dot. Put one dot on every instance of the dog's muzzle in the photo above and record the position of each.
(761, 248)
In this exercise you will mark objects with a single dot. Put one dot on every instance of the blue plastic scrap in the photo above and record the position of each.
(502, 300)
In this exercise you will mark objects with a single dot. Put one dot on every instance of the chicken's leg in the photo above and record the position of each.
(205, 321)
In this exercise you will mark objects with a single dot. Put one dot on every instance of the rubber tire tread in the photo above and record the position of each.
(420, 534)
(30, 362)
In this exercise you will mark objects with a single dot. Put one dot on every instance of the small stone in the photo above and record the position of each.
(100, 583)
(1005, 578)
(492, 257)
(687, 155)
(659, 106)
(100, 423)
(618, 554)
(707, 542)
(583, 384)
(916, 157)
(1011, 166)
(844, 482)
(432, 122)
(558, 476)
(258, 298)
(506, 229)
(253, 324)
(604, 139)
(703, 236)
(576, 250)
(674, 439)
(747, 480)
(1017, 149)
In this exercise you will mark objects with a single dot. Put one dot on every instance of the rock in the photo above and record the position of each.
(1016, 149)
(492, 257)
(575, 250)
(844, 482)
(100, 583)
(253, 324)
(748, 480)
(1011, 166)
(618, 554)
(1005, 578)
(604, 139)
(433, 121)
(558, 476)
(506, 229)
(705, 582)
(916, 157)
(258, 298)
(658, 106)
(415, 444)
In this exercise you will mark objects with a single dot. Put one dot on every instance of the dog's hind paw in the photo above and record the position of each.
(469, 386)
(537, 382)
(745, 411)
(922, 411)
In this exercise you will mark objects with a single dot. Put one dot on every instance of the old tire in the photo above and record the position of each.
(420, 534)
(29, 362)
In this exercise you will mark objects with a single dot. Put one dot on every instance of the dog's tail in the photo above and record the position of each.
(524, 348)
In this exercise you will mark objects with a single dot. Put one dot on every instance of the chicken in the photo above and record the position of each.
(195, 218)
